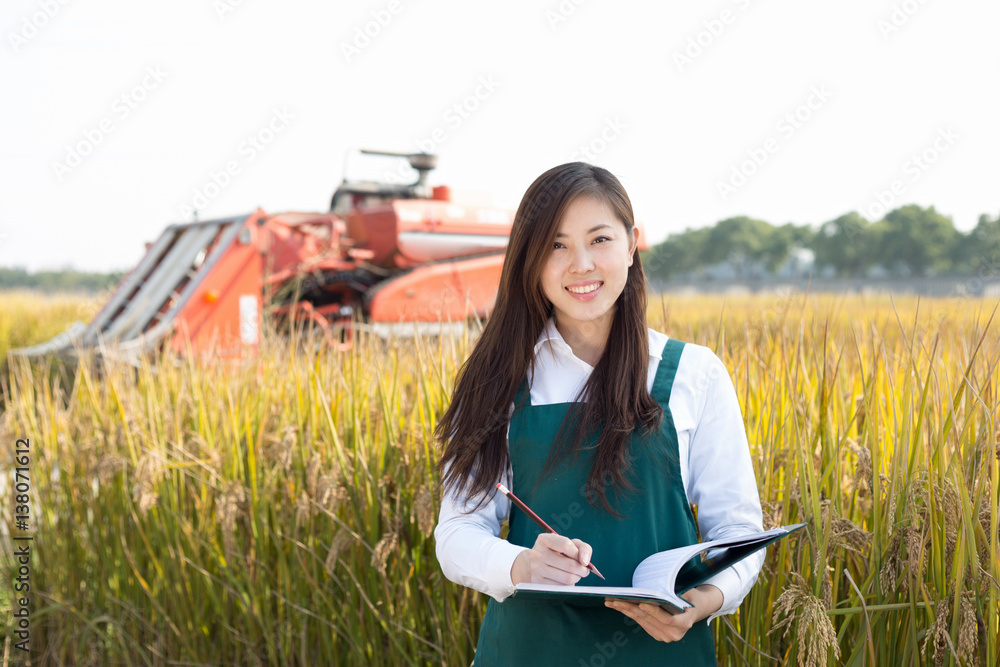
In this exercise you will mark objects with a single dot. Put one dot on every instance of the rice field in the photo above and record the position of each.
(280, 511)
(28, 317)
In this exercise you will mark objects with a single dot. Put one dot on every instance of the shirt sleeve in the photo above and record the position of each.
(721, 481)
(469, 547)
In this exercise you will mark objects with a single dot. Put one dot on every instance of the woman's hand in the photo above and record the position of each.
(553, 560)
(666, 627)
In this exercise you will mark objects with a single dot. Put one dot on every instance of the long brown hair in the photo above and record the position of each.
(474, 427)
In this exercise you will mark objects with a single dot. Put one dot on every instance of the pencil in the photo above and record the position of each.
(537, 519)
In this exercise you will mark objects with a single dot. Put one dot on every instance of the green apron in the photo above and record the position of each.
(657, 517)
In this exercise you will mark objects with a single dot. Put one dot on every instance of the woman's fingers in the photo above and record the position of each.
(656, 621)
(557, 559)
(585, 552)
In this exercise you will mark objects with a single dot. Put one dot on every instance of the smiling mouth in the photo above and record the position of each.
(584, 289)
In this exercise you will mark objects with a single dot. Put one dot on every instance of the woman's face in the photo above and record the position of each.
(588, 266)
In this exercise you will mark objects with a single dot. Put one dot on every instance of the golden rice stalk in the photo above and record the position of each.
(312, 473)
(863, 473)
(968, 632)
(383, 549)
(814, 631)
(937, 634)
(949, 506)
(330, 493)
(108, 466)
(893, 504)
(773, 514)
(286, 447)
(845, 533)
(826, 588)
(340, 542)
(859, 402)
(424, 509)
(902, 555)
(303, 508)
(324, 488)
(147, 474)
(145, 496)
(195, 444)
(150, 469)
(988, 528)
(234, 502)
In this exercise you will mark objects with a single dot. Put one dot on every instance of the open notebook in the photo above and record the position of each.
(663, 577)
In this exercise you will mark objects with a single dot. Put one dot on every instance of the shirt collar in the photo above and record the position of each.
(550, 334)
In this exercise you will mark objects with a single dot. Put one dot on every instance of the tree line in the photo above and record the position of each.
(64, 280)
(908, 241)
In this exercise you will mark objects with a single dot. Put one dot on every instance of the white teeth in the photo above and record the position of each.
(584, 290)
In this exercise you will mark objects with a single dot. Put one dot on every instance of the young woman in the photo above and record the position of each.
(608, 430)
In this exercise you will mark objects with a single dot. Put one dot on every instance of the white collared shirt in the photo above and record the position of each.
(716, 469)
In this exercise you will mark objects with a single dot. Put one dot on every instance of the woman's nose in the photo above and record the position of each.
(581, 261)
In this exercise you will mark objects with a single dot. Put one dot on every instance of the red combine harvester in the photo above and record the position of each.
(393, 258)
(386, 254)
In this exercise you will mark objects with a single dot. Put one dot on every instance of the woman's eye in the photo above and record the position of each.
(602, 239)
(557, 245)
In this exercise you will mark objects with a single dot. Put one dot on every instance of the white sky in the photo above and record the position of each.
(676, 132)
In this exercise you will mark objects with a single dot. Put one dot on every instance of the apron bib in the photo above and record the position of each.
(656, 517)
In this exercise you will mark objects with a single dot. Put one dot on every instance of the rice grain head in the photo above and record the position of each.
(149, 469)
(772, 514)
(863, 473)
(424, 509)
(968, 632)
(145, 496)
(108, 466)
(901, 556)
(845, 533)
(948, 504)
(937, 634)
(340, 542)
(330, 493)
(988, 528)
(814, 631)
(893, 505)
(383, 549)
(286, 446)
(147, 473)
(312, 473)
